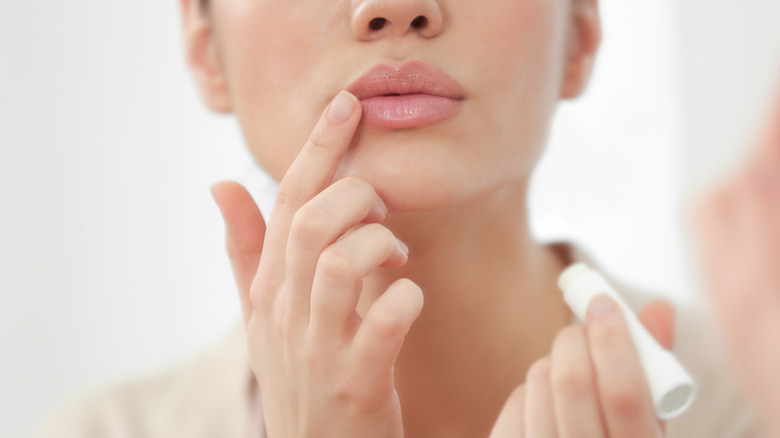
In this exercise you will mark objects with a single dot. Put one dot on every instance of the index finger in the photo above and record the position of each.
(623, 392)
(310, 173)
(769, 140)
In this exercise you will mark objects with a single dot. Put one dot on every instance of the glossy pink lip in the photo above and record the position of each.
(411, 95)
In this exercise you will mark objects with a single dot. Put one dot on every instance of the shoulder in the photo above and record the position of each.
(719, 410)
(205, 395)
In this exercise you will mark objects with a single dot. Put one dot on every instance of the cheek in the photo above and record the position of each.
(269, 69)
(520, 49)
(507, 53)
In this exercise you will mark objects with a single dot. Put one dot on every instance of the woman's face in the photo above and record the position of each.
(282, 61)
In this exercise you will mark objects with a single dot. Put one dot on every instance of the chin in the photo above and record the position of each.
(413, 173)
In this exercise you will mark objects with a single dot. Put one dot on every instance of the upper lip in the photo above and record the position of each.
(413, 77)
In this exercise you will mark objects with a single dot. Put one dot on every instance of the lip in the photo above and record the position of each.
(410, 95)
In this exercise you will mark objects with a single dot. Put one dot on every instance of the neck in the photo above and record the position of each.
(491, 308)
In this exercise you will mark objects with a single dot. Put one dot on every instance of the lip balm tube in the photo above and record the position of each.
(671, 387)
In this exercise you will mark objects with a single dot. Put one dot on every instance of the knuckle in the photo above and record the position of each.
(382, 233)
(238, 249)
(281, 323)
(569, 336)
(336, 263)
(572, 380)
(286, 194)
(539, 372)
(360, 187)
(385, 324)
(318, 142)
(357, 183)
(260, 297)
(603, 334)
(385, 234)
(623, 398)
(308, 225)
(311, 359)
(354, 399)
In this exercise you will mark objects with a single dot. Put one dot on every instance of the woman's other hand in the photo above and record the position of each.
(323, 370)
(592, 385)
(737, 227)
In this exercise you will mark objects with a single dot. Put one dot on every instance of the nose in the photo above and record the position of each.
(373, 19)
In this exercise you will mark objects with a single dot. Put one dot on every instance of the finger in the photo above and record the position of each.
(623, 391)
(765, 175)
(658, 318)
(575, 395)
(311, 171)
(510, 422)
(339, 275)
(244, 232)
(770, 140)
(707, 228)
(317, 225)
(753, 256)
(539, 408)
(715, 235)
(381, 333)
(759, 206)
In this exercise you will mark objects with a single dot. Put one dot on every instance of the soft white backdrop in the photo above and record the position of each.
(111, 256)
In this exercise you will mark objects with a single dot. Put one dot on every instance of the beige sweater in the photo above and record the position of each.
(214, 394)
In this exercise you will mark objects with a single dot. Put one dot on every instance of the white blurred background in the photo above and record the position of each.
(111, 250)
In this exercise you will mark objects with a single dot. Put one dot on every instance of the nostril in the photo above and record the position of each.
(377, 23)
(419, 22)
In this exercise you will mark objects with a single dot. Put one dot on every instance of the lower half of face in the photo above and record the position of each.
(284, 62)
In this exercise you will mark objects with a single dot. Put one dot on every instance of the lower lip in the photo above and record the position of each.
(408, 111)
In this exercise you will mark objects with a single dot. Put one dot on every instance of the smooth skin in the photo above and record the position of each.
(588, 386)
(339, 339)
(325, 371)
(737, 230)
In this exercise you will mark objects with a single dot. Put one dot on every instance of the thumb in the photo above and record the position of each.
(510, 421)
(658, 317)
(244, 233)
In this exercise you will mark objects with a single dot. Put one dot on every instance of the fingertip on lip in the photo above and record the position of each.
(341, 107)
(350, 95)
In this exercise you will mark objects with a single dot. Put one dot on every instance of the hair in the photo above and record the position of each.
(204, 4)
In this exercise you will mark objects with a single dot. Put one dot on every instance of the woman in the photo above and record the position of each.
(403, 134)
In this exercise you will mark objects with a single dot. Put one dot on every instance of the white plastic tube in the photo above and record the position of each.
(671, 387)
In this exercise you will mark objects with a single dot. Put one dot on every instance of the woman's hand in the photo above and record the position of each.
(322, 369)
(738, 233)
(592, 385)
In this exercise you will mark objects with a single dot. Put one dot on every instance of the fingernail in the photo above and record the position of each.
(383, 206)
(403, 246)
(601, 306)
(341, 107)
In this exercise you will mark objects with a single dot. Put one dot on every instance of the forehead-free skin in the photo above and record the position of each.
(455, 190)
(277, 63)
